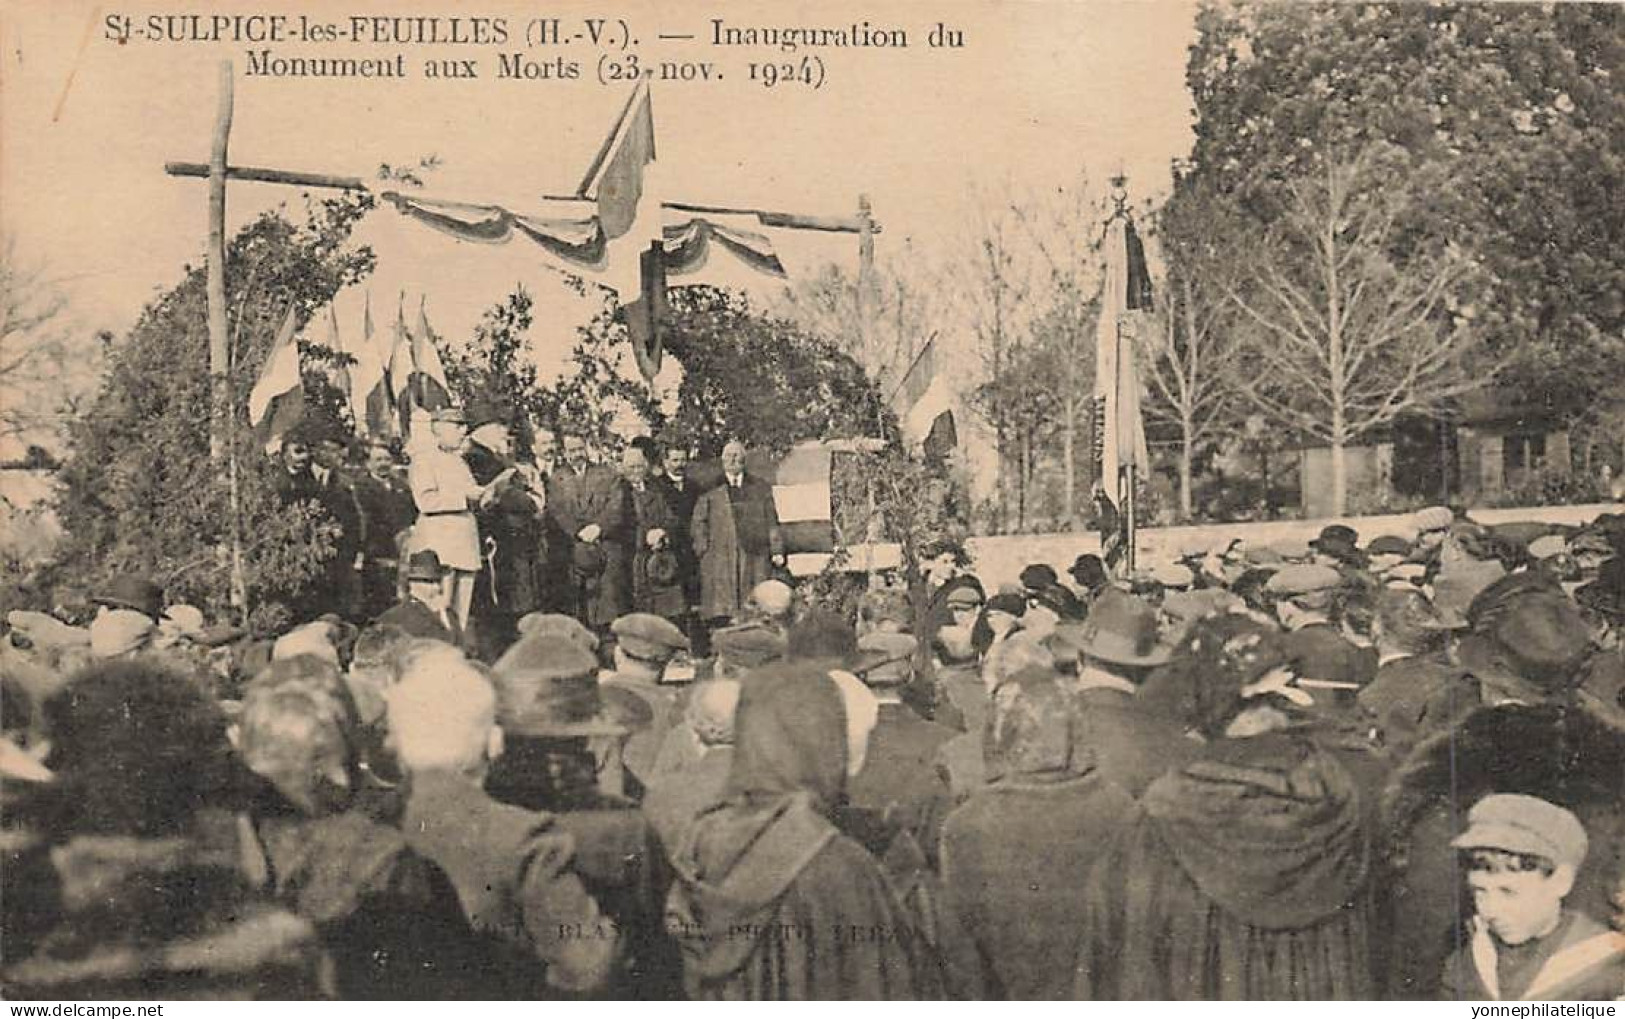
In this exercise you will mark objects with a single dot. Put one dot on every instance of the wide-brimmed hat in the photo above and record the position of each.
(548, 686)
(1121, 629)
(748, 645)
(425, 566)
(137, 594)
(558, 625)
(1535, 644)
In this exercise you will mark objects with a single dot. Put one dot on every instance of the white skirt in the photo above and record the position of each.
(454, 537)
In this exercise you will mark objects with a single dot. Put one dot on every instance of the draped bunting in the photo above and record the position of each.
(580, 242)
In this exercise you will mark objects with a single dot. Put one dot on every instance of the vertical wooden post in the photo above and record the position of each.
(222, 417)
(219, 417)
(866, 268)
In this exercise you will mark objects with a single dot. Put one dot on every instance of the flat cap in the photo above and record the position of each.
(965, 595)
(1547, 546)
(648, 636)
(1388, 544)
(1434, 518)
(1172, 575)
(1303, 578)
(883, 657)
(1515, 823)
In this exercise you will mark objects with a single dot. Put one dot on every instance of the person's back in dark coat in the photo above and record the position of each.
(1129, 743)
(1015, 854)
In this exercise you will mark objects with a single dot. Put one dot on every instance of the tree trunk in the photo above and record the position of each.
(1068, 448)
(1340, 479)
(1185, 455)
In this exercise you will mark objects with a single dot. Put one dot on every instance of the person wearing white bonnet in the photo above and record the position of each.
(771, 600)
(1546, 546)
(119, 632)
(180, 623)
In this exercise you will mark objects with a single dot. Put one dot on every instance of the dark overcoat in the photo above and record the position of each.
(736, 535)
(597, 496)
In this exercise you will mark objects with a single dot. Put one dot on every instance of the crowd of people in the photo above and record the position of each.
(573, 733)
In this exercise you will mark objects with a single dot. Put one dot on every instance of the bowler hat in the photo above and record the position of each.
(136, 593)
(425, 565)
(1121, 629)
(1089, 571)
(1536, 644)
(661, 568)
(1038, 575)
(1340, 542)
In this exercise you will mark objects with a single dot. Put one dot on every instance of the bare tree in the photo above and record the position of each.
(44, 363)
(1191, 351)
(991, 286)
(1064, 228)
(1344, 335)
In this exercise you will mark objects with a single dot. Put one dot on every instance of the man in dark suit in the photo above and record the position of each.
(681, 492)
(387, 512)
(592, 506)
(336, 491)
(512, 868)
(736, 537)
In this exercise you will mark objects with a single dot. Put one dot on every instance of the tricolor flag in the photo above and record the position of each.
(622, 182)
(1119, 429)
(370, 398)
(335, 343)
(277, 400)
(427, 385)
(399, 367)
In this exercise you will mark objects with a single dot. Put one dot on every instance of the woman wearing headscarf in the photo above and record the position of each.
(1247, 875)
(772, 902)
(1014, 854)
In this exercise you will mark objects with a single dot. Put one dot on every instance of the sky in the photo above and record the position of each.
(1040, 92)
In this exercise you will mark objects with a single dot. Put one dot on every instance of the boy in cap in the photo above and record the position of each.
(1522, 854)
